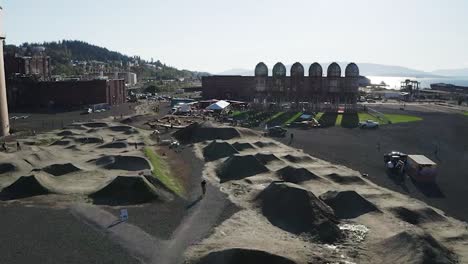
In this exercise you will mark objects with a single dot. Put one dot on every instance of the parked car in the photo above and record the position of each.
(395, 155)
(276, 131)
(369, 124)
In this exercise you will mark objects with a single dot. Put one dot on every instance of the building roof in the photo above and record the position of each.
(220, 105)
(421, 160)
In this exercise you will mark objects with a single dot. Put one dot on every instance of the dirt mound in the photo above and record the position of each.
(89, 140)
(132, 119)
(262, 144)
(125, 190)
(345, 179)
(128, 163)
(416, 216)
(242, 146)
(96, 124)
(65, 133)
(73, 147)
(114, 145)
(412, 247)
(131, 132)
(266, 158)
(61, 143)
(296, 175)
(7, 167)
(244, 256)
(216, 150)
(238, 167)
(76, 126)
(206, 131)
(24, 186)
(61, 169)
(348, 204)
(296, 210)
(297, 159)
(120, 128)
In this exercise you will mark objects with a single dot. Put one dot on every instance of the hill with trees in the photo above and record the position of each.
(68, 57)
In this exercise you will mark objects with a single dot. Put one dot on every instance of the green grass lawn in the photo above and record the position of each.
(293, 118)
(397, 118)
(162, 172)
(465, 113)
(365, 116)
(318, 115)
(274, 116)
(338, 120)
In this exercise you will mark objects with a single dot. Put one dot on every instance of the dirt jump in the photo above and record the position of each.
(348, 204)
(61, 169)
(125, 190)
(296, 210)
(413, 248)
(416, 216)
(217, 150)
(244, 256)
(242, 146)
(206, 131)
(24, 186)
(239, 167)
(296, 175)
(127, 163)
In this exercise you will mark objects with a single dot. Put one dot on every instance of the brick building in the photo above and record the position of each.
(26, 93)
(314, 88)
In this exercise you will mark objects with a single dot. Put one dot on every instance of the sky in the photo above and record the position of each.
(218, 35)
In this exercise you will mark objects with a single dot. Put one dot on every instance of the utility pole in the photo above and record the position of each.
(4, 121)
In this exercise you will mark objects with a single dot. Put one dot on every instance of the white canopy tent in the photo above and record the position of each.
(218, 106)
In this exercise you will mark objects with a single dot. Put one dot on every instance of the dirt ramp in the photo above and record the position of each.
(416, 216)
(345, 179)
(297, 210)
(267, 158)
(96, 125)
(114, 145)
(244, 256)
(61, 169)
(120, 128)
(216, 150)
(242, 146)
(262, 144)
(125, 190)
(297, 159)
(238, 167)
(61, 142)
(7, 168)
(296, 175)
(89, 140)
(128, 163)
(24, 186)
(65, 133)
(348, 204)
(412, 247)
(206, 131)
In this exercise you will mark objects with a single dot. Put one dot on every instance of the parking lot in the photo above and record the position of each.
(363, 150)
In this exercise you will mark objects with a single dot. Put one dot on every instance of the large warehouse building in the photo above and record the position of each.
(315, 88)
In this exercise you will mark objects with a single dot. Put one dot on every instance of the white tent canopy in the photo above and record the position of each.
(220, 105)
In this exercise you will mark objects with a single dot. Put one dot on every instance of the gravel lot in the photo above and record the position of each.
(357, 149)
(39, 235)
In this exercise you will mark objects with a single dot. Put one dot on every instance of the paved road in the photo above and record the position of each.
(357, 149)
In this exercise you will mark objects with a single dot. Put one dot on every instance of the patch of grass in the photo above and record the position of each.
(46, 141)
(366, 116)
(338, 119)
(465, 113)
(293, 118)
(274, 116)
(162, 172)
(318, 115)
(397, 118)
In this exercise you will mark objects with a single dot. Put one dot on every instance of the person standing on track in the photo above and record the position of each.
(291, 138)
(203, 187)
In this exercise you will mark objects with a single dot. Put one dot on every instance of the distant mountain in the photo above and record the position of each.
(453, 72)
(366, 69)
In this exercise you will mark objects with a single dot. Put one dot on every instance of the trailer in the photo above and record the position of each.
(420, 168)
